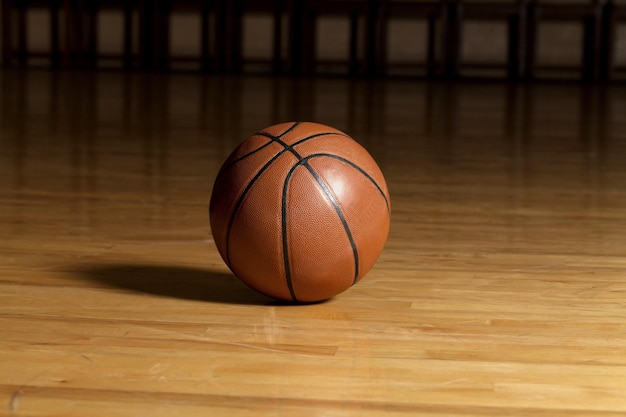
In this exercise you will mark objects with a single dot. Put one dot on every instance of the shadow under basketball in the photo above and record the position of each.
(176, 282)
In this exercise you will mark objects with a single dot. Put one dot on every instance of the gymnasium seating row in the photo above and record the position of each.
(73, 33)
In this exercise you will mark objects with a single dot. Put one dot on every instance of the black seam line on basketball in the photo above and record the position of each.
(227, 167)
(291, 128)
(285, 241)
(290, 147)
(331, 198)
(358, 168)
(240, 199)
(342, 218)
(269, 135)
(264, 134)
(275, 139)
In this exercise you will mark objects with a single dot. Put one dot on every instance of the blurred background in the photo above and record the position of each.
(509, 39)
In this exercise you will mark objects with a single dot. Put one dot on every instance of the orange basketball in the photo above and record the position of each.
(300, 211)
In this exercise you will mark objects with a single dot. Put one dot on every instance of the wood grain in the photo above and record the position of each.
(500, 291)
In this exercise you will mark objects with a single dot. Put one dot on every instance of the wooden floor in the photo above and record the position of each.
(501, 291)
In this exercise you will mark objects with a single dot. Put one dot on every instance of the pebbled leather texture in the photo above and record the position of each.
(300, 211)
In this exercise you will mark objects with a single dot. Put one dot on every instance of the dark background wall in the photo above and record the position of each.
(484, 43)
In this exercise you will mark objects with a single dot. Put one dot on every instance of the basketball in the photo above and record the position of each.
(300, 211)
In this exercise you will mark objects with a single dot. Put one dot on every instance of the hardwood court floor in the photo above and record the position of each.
(501, 291)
